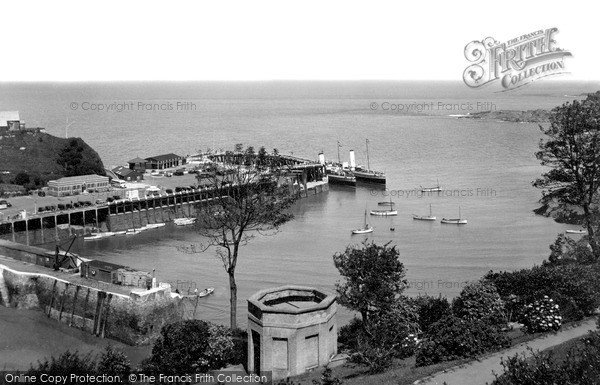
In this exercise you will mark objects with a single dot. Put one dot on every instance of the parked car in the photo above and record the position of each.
(178, 173)
(169, 191)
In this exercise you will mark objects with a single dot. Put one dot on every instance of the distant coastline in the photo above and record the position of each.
(515, 116)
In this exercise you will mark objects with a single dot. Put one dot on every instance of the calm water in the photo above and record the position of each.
(414, 148)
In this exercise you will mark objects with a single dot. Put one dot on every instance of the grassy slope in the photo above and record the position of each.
(40, 154)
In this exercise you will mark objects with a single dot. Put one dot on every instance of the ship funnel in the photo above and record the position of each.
(352, 160)
(321, 158)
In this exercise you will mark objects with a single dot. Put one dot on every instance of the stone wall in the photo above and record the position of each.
(133, 321)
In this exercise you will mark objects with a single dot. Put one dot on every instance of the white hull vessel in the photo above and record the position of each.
(384, 213)
(184, 221)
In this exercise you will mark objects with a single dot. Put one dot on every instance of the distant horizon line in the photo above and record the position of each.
(555, 80)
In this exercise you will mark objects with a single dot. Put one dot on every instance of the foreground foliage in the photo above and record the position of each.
(573, 287)
(191, 346)
(581, 365)
(109, 362)
(453, 338)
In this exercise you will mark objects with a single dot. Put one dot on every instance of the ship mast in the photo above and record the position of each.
(338, 148)
(368, 163)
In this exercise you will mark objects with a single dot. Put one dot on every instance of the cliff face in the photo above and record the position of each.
(46, 157)
(529, 116)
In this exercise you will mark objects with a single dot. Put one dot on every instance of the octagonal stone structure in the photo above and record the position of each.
(291, 329)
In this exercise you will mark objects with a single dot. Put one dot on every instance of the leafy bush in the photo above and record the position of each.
(178, 348)
(390, 334)
(239, 353)
(191, 346)
(430, 310)
(541, 316)
(581, 365)
(480, 301)
(348, 334)
(110, 362)
(327, 378)
(573, 287)
(219, 349)
(65, 364)
(113, 362)
(453, 338)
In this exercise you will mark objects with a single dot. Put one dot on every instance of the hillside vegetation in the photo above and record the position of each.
(32, 159)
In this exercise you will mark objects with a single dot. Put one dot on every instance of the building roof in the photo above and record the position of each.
(164, 157)
(137, 160)
(7, 116)
(125, 171)
(80, 179)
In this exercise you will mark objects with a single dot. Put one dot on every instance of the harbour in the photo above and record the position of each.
(303, 127)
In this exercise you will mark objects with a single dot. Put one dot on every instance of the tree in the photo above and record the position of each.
(572, 151)
(261, 158)
(78, 159)
(22, 178)
(374, 278)
(246, 202)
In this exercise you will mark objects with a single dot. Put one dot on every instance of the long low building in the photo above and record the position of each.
(161, 162)
(74, 185)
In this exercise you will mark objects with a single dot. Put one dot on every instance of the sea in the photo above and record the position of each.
(415, 134)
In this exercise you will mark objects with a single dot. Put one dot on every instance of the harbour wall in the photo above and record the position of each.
(132, 320)
(117, 216)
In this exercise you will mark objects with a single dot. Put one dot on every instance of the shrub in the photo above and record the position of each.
(113, 362)
(178, 348)
(390, 334)
(480, 301)
(430, 310)
(239, 353)
(65, 364)
(191, 346)
(219, 349)
(573, 287)
(581, 365)
(541, 316)
(453, 338)
(327, 378)
(348, 334)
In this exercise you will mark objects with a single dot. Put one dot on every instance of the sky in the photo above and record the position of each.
(276, 40)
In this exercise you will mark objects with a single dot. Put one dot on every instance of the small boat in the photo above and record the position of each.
(385, 213)
(576, 231)
(184, 221)
(98, 235)
(92, 237)
(432, 189)
(155, 225)
(203, 293)
(455, 221)
(365, 229)
(206, 292)
(424, 217)
(132, 231)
